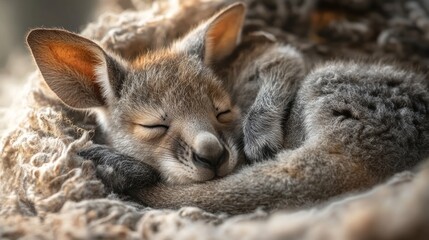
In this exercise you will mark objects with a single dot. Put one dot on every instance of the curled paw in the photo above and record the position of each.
(263, 133)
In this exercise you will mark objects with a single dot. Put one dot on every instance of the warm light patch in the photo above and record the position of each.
(321, 19)
(224, 33)
(80, 59)
(75, 57)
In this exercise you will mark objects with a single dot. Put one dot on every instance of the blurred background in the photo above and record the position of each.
(18, 16)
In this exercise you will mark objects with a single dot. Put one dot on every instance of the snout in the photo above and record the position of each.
(210, 163)
(209, 154)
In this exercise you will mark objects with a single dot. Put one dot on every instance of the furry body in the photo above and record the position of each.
(350, 126)
(343, 127)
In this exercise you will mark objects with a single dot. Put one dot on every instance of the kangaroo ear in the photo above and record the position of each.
(75, 68)
(218, 37)
(224, 33)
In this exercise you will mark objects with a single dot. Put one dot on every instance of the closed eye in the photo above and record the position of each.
(222, 113)
(154, 126)
(151, 130)
(225, 116)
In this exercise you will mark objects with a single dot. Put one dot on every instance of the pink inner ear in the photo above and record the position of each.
(224, 33)
(79, 59)
(75, 57)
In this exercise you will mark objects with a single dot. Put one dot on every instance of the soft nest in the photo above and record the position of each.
(47, 191)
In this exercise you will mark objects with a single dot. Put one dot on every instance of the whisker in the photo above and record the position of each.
(157, 146)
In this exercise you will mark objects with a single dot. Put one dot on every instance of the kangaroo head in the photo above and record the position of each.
(166, 108)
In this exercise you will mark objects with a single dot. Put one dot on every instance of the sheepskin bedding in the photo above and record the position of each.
(48, 192)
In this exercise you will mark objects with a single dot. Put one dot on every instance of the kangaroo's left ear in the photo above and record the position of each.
(76, 69)
(216, 38)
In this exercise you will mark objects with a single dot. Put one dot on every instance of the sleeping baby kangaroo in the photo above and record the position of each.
(342, 127)
(166, 108)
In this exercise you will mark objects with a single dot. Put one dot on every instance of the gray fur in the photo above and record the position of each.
(119, 172)
(343, 127)
(277, 72)
(362, 123)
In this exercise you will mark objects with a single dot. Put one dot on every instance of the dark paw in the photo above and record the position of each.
(120, 173)
(97, 153)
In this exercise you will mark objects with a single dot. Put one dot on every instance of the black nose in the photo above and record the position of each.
(210, 163)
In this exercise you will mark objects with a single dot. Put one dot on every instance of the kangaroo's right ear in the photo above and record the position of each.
(80, 73)
(216, 38)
